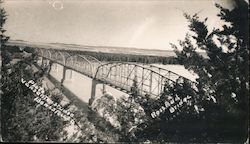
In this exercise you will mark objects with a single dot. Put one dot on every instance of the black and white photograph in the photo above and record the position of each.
(124, 71)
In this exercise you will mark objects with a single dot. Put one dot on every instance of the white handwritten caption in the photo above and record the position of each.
(45, 101)
(174, 104)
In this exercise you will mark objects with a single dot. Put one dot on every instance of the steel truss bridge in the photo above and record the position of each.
(149, 80)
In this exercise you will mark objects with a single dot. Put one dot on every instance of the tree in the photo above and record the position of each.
(3, 37)
(223, 74)
(22, 118)
(124, 114)
(3, 40)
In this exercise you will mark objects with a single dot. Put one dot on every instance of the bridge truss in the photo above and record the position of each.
(124, 76)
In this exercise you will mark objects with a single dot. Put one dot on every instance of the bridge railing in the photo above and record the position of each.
(173, 76)
(126, 76)
(82, 63)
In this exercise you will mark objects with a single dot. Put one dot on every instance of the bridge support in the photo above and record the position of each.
(63, 75)
(93, 90)
(70, 74)
(43, 61)
(104, 89)
(50, 63)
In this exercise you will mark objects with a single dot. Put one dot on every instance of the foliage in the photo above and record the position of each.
(22, 118)
(87, 131)
(3, 40)
(223, 75)
(3, 17)
(3, 37)
(124, 114)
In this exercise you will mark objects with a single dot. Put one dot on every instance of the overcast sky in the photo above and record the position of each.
(150, 24)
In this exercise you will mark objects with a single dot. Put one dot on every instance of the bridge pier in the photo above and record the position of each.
(93, 90)
(63, 75)
(70, 74)
(43, 61)
(104, 89)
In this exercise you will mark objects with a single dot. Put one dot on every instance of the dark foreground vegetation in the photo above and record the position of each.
(22, 119)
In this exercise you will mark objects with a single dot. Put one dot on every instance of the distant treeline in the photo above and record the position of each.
(13, 52)
(126, 57)
(13, 49)
(101, 56)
